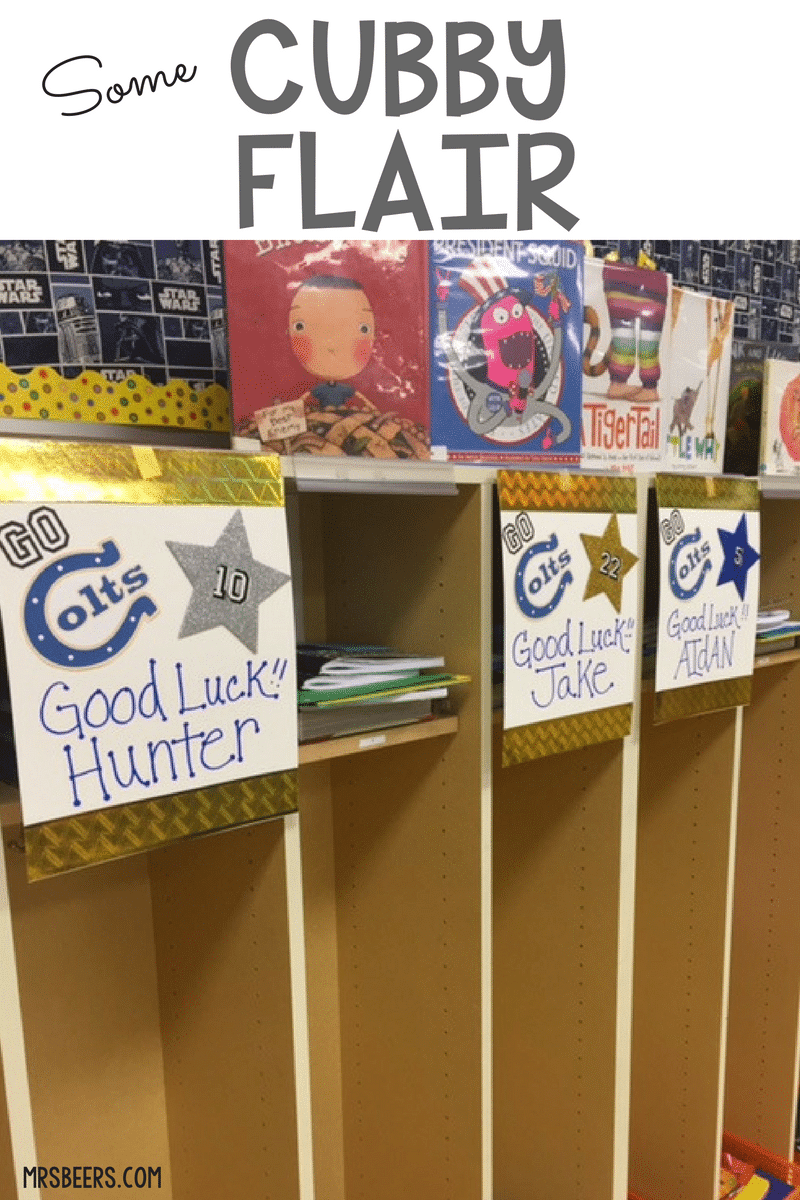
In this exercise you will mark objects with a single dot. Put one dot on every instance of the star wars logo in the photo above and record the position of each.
(67, 255)
(179, 299)
(215, 261)
(24, 292)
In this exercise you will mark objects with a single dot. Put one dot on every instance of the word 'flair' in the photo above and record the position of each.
(271, 91)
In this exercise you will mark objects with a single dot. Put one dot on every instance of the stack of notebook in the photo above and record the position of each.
(775, 630)
(353, 689)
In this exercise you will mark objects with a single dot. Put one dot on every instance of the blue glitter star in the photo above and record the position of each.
(739, 557)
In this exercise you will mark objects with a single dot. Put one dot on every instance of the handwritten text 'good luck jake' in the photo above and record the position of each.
(571, 665)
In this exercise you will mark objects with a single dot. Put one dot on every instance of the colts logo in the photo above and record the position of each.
(44, 532)
(542, 575)
(687, 571)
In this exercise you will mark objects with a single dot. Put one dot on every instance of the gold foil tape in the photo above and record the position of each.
(44, 395)
(677, 703)
(564, 492)
(528, 742)
(710, 491)
(101, 472)
(87, 839)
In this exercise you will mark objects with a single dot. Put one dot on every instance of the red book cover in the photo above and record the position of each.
(328, 346)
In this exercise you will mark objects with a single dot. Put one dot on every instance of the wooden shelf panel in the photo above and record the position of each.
(8, 1183)
(219, 917)
(377, 739)
(764, 1010)
(169, 1032)
(87, 977)
(392, 844)
(556, 926)
(680, 959)
(776, 659)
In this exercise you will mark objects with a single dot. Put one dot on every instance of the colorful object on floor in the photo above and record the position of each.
(781, 1176)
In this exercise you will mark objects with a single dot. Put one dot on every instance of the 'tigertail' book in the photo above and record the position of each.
(626, 360)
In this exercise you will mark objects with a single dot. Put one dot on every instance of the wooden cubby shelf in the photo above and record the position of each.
(440, 979)
(776, 659)
(377, 739)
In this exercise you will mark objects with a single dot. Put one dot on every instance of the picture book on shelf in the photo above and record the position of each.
(626, 358)
(702, 327)
(328, 346)
(505, 351)
(743, 432)
(780, 419)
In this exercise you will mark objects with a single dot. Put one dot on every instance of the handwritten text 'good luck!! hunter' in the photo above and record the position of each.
(195, 747)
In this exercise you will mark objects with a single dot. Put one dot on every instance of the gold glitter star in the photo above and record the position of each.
(610, 563)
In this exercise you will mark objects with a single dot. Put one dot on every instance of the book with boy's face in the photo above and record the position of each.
(328, 346)
(505, 350)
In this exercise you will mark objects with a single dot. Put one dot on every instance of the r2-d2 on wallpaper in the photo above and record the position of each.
(78, 336)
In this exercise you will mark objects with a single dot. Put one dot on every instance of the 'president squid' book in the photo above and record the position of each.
(506, 330)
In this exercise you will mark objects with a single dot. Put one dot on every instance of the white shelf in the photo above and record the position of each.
(780, 487)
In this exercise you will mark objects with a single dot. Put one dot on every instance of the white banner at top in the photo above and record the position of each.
(347, 122)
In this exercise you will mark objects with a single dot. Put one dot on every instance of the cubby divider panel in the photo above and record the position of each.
(556, 926)
(8, 1181)
(222, 949)
(682, 939)
(393, 838)
(764, 1014)
(87, 978)
(408, 889)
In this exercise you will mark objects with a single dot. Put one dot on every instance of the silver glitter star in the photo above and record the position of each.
(228, 584)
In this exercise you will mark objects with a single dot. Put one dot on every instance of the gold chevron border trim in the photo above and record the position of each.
(565, 492)
(707, 491)
(87, 839)
(676, 703)
(566, 733)
(86, 472)
(44, 395)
